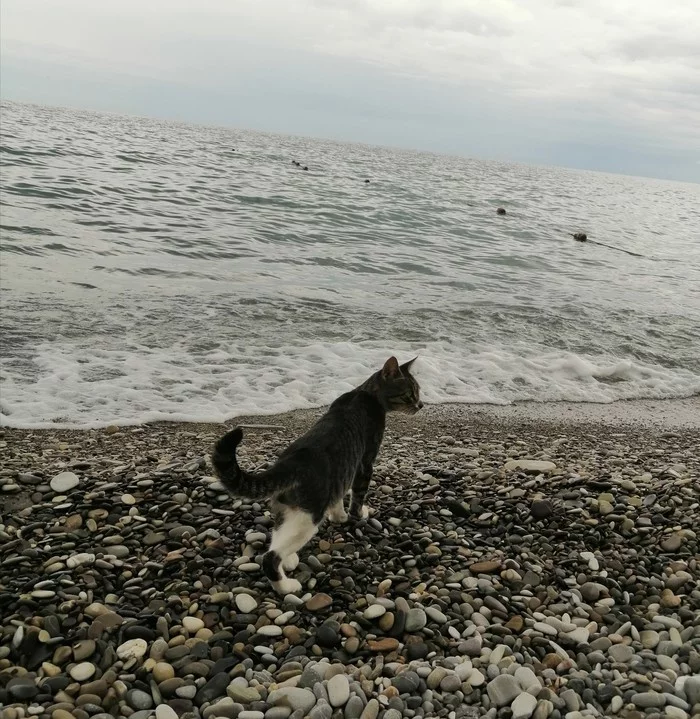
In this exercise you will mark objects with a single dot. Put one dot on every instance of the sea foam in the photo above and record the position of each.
(82, 387)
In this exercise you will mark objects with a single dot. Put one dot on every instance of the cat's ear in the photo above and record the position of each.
(406, 367)
(391, 369)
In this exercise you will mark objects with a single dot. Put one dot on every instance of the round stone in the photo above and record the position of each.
(163, 711)
(192, 624)
(245, 603)
(64, 482)
(523, 706)
(374, 611)
(620, 653)
(139, 700)
(163, 671)
(83, 671)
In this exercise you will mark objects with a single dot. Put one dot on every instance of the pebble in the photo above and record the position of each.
(487, 567)
(295, 698)
(523, 706)
(647, 700)
(163, 711)
(192, 624)
(243, 694)
(338, 690)
(374, 611)
(620, 653)
(503, 689)
(162, 671)
(83, 671)
(245, 603)
(436, 615)
(64, 482)
(416, 619)
(319, 602)
(541, 509)
(132, 649)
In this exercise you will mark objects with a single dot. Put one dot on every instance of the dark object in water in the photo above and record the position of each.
(296, 162)
(580, 236)
(305, 167)
(500, 211)
(366, 180)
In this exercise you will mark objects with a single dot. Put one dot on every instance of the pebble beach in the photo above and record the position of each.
(514, 565)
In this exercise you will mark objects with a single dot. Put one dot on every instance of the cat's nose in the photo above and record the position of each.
(420, 405)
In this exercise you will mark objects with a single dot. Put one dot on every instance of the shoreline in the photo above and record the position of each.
(662, 414)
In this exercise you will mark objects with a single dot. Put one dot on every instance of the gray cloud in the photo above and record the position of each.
(539, 74)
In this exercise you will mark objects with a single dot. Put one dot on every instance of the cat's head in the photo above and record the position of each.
(396, 387)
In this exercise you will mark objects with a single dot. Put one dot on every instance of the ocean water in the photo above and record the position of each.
(154, 270)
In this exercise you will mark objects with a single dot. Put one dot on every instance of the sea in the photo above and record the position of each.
(154, 270)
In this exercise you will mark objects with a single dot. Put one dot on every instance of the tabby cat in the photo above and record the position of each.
(312, 476)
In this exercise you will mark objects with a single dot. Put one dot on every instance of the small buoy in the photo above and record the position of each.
(305, 167)
(500, 211)
(366, 180)
(580, 236)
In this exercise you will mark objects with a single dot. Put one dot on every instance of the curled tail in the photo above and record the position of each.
(239, 482)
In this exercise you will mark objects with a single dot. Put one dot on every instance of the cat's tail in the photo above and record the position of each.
(239, 482)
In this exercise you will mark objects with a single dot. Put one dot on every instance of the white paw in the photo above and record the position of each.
(287, 586)
(338, 518)
(364, 512)
(290, 563)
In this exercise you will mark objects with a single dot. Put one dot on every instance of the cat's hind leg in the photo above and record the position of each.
(360, 485)
(294, 531)
(337, 513)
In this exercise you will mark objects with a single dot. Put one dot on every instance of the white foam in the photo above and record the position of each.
(77, 386)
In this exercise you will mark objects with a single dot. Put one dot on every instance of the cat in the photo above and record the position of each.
(312, 476)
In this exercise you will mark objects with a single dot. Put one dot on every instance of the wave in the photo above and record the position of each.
(83, 387)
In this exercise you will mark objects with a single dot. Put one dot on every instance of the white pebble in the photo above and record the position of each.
(270, 630)
(192, 624)
(163, 711)
(64, 482)
(132, 649)
(591, 559)
(374, 611)
(338, 690)
(245, 603)
(82, 672)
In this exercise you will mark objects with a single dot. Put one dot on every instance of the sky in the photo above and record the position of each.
(610, 85)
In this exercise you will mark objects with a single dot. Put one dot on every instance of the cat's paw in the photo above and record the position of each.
(338, 517)
(359, 514)
(287, 586)
(290, 563)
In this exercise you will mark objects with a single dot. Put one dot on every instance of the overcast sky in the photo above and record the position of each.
(602, 84)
